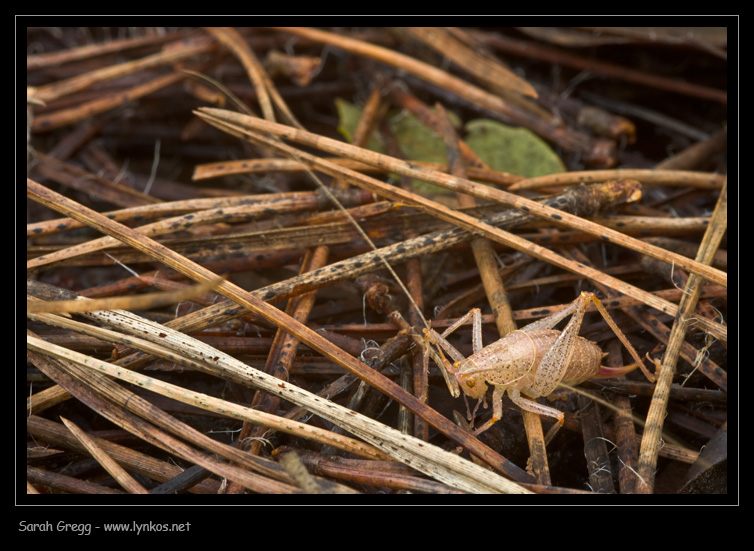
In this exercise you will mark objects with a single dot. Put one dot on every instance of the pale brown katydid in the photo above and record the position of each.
(529, 362)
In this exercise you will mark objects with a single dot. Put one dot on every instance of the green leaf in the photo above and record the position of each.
(511, 149)
(417, 142)
(502, 147)
(348, 120)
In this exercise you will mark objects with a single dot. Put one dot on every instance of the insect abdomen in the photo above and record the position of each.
(585, 362)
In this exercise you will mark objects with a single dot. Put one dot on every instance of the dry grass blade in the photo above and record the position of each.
(230, 38)
(118, 473)
(135, 461)
(80, 82)
(238, 124)
(183, 222)
(141, 418)
(701, 180)
(150, 300)
(303, 370)
(241, 122)
(428, 459)
(652, 438)
(409, 64)
(470, 60)
(203, 401)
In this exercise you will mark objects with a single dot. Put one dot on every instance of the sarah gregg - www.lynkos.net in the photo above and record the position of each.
(85, 529)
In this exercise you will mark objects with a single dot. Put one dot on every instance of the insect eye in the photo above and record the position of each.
(470, 383)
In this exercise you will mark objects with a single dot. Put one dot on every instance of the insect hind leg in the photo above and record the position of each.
(552, 320)
(618, 333)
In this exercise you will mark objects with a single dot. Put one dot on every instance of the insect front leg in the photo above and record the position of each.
(432, 336)
(476, 335)
(477, 345)
(497, 410)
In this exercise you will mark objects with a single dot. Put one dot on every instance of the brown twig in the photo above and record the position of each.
(96, 386)
(250, 166)
(579, 200)
(625, 433)
(119, 473)
(95, 114)
(497, 298)
(701, 180)
(244, 126)
(651, 440)
(468, 59)
(531, 49)
(57, 435)
(567, 138)
(303, 333)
